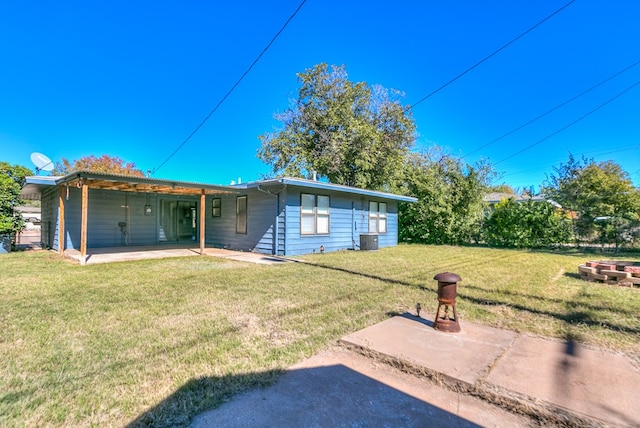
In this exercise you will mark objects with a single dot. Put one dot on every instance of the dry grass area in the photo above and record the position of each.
(156, 342)
(539, 292)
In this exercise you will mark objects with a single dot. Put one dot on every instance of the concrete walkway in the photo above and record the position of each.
(121, 254)
(402, 372)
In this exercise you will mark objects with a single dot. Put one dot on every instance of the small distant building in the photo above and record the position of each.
(29, 214)
(494, 198)
(283, 216)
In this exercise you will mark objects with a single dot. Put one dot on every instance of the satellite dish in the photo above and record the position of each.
(42, 162)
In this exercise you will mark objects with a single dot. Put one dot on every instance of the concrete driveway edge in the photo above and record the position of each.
(546, 414)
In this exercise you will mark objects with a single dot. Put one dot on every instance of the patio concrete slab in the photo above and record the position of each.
(460, 376)
(340, 388)
(122, 254)
(559, 382)
(595, 383)
(465, 356)
(245, 256)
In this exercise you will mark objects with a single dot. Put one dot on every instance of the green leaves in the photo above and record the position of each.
(601, 194)
(350, 133)
(528, 224)
(11, 181)
(449, 208)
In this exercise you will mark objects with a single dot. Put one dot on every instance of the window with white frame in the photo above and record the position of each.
(314, 214)
(378, 217)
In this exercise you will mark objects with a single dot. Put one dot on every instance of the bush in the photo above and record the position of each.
(529, 224)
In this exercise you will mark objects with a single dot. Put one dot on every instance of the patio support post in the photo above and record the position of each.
(61, 221)
(83, 230)
(202, 215)
(276, 229)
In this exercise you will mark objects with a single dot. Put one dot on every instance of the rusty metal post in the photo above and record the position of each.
(447, 291)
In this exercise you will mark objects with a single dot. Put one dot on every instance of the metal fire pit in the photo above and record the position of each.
(447, 291)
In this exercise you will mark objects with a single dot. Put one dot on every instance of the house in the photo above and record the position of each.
(29, 214)
(494, 198)
(283, 216)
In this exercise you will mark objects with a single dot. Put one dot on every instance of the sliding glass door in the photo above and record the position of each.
(178, 221)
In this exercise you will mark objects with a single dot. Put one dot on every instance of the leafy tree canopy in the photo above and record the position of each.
(105, 164)
(503, 188)
(350, 133)
(450, 195)
(12, 178)
(529, 224)
(594, 191)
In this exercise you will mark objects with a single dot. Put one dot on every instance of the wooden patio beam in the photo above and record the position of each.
(124, 186)
(202, 223)
(83, 230)
(61, 221)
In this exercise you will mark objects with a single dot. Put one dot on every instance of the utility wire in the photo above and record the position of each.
(570, 124)
(550, 111)
(550, 163)
(255, 61)
(490, 55)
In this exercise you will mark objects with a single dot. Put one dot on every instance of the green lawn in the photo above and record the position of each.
(156, 342)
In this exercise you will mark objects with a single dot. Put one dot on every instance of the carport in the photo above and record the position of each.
(83, 181)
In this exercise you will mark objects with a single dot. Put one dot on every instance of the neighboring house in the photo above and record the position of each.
(29, 214)
(285, 216)
(494, 198)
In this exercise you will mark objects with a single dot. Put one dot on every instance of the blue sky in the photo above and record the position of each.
(134, 79)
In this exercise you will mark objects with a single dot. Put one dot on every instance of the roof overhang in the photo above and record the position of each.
(35, 185)
(320, 185)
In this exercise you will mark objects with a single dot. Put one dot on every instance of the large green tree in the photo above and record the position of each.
(450, 195)
(601, 194)
(104, 164)
(350, 133)
(528, 224)
(12, 178)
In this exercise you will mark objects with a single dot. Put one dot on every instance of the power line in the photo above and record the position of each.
(255, 61)
(552, 110)
(570, 124)
(608, 152)
(491, 55)
(550, 163)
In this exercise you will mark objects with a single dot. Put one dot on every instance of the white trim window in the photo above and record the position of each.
(377, 217)
(314, 214)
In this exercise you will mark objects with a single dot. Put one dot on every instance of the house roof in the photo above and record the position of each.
(320, 185)
(36, 184)
(126, 183)
(494, 198)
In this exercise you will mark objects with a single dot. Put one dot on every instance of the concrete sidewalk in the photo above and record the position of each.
(562, 382)
(402, 372)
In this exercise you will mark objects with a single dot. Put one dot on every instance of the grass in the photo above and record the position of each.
(156, 342)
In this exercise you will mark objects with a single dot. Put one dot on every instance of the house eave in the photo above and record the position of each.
(320, 185)
(125, 183)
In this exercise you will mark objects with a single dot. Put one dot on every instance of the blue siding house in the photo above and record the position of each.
(283, 216)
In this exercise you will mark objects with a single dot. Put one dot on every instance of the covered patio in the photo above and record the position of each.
(82, 181)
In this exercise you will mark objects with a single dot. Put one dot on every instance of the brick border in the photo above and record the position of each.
(621, 273)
